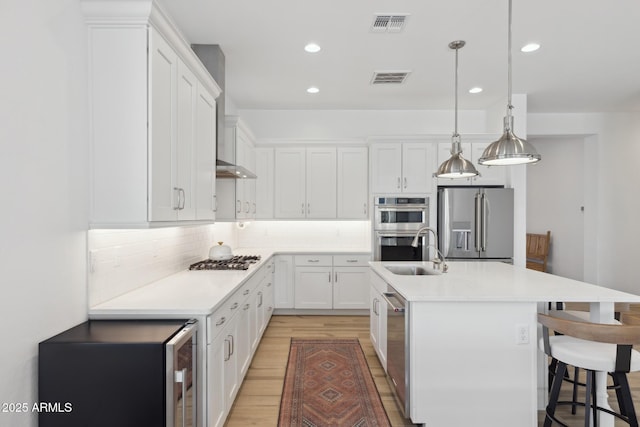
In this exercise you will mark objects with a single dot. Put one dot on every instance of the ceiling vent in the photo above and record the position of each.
(388, 23)
(389, 77)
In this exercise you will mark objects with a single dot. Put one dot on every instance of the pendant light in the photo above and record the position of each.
(509, 149)
(456, 166)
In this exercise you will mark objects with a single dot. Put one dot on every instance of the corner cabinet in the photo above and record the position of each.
(152, 112)
(402, 167)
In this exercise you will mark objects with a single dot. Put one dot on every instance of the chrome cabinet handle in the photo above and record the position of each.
(352, 260)
(246, 292)
(365, 209)
(405, 182)
(398, 182)
(246, 307)
(234, 306)
(309, 208)
(254, 208)
(335, 275)
(227, 349)
(260, 299)
(329, 277)
(232, 346)
(313, 260)
(303, 209)
(215, 203)
(246, 210)
(221, 321)
(238, 206)
(180, 198)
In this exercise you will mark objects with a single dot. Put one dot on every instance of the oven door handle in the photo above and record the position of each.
(397, 308)
(414, 208)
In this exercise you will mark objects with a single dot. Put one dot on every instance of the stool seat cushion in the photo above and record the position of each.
(585, 354)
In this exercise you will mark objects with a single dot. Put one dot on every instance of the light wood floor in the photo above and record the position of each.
(258, 400)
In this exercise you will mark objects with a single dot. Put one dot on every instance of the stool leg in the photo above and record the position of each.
(620, 378)
(619, 395)
(574, 395)
(552, 369)
(555, 392)
(590, 393)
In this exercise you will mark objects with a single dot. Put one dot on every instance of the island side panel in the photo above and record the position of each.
(469, 364)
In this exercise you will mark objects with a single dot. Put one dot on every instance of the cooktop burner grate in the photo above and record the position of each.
(238, 262)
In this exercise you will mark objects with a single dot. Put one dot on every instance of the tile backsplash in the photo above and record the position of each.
(123, 260)
(120, 261)
(306, 234)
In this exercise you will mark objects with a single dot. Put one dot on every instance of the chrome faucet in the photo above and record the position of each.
(438, 264)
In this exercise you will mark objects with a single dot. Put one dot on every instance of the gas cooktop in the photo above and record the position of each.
(238, 262)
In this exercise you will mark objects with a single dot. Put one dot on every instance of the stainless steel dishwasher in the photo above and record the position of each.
(397, 347)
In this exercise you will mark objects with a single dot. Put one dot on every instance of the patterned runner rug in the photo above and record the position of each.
(328, 384)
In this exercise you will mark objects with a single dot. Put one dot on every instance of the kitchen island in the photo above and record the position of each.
(472, 337)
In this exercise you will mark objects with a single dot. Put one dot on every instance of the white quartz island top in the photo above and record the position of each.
(495, 281)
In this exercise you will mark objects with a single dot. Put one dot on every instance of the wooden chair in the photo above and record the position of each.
(538, 251)
(593, 347)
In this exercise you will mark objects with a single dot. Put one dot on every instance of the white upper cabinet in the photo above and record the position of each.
(353, 178)
(237, 196)
(321, 183)
(472, 150)
(402, 167)
(264, 183)
(152, 114)
(290, 190)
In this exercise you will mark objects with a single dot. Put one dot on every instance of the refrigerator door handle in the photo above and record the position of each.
(445, 233)
(478, 223)
(483, 207)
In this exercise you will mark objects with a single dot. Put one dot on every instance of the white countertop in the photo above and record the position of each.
(192, 293)
(495, 281)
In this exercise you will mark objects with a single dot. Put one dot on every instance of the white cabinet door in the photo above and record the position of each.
(353, 177)
(217, 354)
(185, 142)
(283, 278)
(231, 364)
(351, 287)
(205, 155)
(321, 183)
(246, 334)
(163, 71)
(418, 166)
(314, 287)
(290, 184)
(264, 183)
(386, 168)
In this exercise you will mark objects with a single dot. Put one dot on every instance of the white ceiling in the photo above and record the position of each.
(589, 60)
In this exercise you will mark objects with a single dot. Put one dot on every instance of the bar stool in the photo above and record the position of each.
(593, 347)
(579, 312)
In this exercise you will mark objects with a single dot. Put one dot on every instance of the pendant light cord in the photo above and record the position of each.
(455, 132)
(509, 105)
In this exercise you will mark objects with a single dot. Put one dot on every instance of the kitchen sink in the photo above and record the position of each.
(412, 270)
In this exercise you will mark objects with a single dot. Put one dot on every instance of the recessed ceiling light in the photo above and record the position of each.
(475, 90)
(313, 89)
(312, 48)
(531, 47)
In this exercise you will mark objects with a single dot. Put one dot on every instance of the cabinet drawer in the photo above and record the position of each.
(356, 260)
(313, 260)
(221, 317)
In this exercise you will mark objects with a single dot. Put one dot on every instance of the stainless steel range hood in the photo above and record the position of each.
(213, 59)
(229, 170)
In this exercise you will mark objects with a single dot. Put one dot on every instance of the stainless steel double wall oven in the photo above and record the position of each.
(396, 222)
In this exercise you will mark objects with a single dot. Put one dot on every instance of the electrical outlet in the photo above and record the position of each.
(522, 334)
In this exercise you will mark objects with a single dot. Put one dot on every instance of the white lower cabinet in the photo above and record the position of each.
(378, 318)
(233, 333)
(283, 278)
(331, 282)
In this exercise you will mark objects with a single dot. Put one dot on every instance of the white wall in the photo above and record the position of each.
(345, 124)
(611, 177)
(555, 196)
(43, 168)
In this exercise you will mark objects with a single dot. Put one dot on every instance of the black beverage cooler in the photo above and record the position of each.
(119, 373)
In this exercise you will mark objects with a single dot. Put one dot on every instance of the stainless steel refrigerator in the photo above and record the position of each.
(475, 223)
